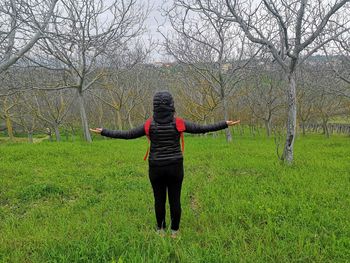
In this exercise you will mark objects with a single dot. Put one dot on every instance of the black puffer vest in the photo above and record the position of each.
(165, 139)
(165, 144)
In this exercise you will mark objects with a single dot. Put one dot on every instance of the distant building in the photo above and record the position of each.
(226, 67)
(159, 64)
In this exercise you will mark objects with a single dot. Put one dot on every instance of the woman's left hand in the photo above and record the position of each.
(231, 123)
(96, 130)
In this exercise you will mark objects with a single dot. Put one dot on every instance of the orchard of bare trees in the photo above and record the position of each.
(67, 65)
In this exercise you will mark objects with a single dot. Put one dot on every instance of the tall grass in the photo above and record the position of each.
(78, 202)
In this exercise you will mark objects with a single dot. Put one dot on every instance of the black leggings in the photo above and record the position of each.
(165, 178)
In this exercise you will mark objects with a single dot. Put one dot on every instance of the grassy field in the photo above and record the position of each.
(78, 202)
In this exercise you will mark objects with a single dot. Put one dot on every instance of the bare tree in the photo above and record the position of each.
(84, 34)
(264, 96)
(122, 91)
(26, 120)
(339, 60)
(212, 46)
(9, 99)
(315, 83)
(305, 98)
(51, 107)
(7, 111)
(326, 107)
(199, 100)
(22, 24)
(291, 31)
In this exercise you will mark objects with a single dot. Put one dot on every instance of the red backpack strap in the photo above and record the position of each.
(180, 126)
(147, 127)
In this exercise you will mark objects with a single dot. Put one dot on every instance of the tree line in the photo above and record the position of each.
(67, 64)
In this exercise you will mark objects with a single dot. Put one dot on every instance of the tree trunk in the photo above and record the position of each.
(215, 134)
(115, 120)
(303, 127)
(288, 153)
(9, 127)
(57, 133)
(66, 132)
(30, 136)
(48, 132)
(252, 129)
(225, 111)
(144, 111)
(325, 128)
(241, 130)
(268, 127)
(205, 123)
(84, 120)
(119, 120)
(100, 117)
(73, 133)
(130, 121)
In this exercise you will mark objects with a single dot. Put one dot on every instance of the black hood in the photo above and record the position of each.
(163, 107)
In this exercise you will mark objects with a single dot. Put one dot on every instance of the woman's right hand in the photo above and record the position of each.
(231, 123)
(96, 130)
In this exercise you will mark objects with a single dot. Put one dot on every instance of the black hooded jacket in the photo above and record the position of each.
(165, 139)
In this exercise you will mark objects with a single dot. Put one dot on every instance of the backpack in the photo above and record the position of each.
(180, 126)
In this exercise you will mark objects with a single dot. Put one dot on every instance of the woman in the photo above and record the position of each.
(165, 158)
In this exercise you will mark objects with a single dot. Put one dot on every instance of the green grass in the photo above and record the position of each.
(77, 202)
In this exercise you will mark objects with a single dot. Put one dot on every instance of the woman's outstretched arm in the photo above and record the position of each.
(192, 127)
(130, 134)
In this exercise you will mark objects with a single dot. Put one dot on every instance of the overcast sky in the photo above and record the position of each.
(154, 20)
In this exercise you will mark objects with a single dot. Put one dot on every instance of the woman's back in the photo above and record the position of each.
(165, 144)
(165, 157)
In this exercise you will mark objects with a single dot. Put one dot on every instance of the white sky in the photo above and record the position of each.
(153, 22)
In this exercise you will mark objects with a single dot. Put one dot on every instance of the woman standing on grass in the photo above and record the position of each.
(165, 158)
